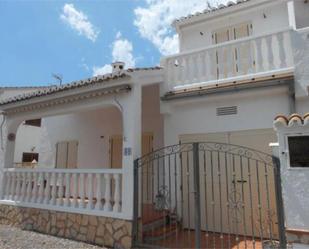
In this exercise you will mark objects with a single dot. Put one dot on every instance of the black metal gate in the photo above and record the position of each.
(208, 195)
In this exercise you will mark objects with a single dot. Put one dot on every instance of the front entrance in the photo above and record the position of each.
(208, 194)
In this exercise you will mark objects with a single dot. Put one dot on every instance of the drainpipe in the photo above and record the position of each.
(292, 102)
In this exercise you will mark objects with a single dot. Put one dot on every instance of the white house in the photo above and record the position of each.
(202, 121)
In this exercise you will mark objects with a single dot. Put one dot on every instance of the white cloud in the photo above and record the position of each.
(78, 21)
(102, 70)
(122, 50)
(154, 20)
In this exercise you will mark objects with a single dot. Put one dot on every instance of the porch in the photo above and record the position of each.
(89, 139)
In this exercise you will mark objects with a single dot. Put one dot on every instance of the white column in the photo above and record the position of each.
(132, 144)
(291, 14)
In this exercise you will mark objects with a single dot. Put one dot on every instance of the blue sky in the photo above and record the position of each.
(79, 39)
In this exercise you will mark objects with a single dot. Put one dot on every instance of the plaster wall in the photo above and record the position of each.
(256, 110)
(273, 17)
(93, 129)
(27, 140)
(301, 13)
(295, 183)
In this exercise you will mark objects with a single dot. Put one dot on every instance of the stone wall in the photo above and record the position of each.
(109, 232)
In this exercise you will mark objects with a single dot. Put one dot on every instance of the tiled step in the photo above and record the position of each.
(160, 233)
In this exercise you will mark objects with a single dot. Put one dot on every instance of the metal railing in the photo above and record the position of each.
(208, 195)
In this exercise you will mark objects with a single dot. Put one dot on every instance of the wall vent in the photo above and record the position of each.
(228, 110)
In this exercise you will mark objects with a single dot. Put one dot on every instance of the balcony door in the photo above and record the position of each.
(231, 60)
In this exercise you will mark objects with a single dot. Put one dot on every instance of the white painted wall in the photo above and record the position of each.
(27, 140)
(275, 19)
(295, 182)
(256, 110)
(301, 13)
(27, 137)
(88, 127)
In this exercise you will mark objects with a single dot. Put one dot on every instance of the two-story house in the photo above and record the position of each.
(203, 122)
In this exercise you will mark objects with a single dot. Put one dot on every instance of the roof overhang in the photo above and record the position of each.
(220, 12)
(283, 79)
(63, 98)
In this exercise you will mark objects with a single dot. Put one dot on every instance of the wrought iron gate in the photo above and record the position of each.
(208, 195)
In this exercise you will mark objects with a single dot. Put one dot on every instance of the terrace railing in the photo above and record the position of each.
(244, 58)
(87, 191)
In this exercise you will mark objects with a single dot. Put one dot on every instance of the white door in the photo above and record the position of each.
(225, 179)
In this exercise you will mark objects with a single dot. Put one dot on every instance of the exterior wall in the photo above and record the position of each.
(301, 14)
(276, 19)
(85, 127)
(294, 184)
(88, 127)
(102, 231)
(152, 120)
(256, 110)
(27, 140)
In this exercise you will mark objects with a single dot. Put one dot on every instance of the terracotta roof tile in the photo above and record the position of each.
(211, 10)
(292, 120)
(75, 84)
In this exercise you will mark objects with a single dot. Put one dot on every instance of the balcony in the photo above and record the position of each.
(244, 59)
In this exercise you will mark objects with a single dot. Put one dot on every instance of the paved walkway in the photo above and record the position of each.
(11, 237)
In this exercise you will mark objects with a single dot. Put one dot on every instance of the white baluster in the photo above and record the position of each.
(41, 187)
(7, 187)
(220, 53)
(60, 189)
(210, 64)
(75, 190)
(82, 190)
(230, 62)
(180, 69)
(260, 59)
(35, 187)
(2, 190)
(47, 188)
(98, 205)
(195, 71)
(23, 186)
(282, 54)
(67, 190)
(29, 186)
(54, 188)
(18, 186)
(250, 58)
(202, 67)
(270, 54)
(117, 193)
(107, 204)
(176, 71)
(187, 70)
(13, 185)
(90, 191)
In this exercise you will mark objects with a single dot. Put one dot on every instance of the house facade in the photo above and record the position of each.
(212, 105)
